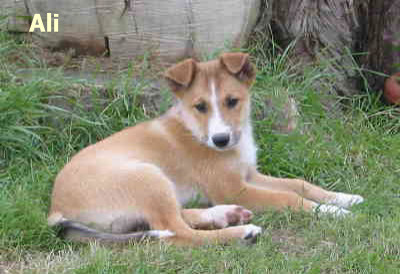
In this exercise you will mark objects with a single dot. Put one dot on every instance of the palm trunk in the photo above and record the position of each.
(331, 29)
(379, 38)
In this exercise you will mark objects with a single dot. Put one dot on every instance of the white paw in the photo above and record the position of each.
(251, 232)
(227, 215)
(346, 200)
(332, 210)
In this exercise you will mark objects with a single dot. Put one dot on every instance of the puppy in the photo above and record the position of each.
(202, 148)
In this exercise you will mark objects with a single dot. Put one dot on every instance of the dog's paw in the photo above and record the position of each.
(251, 233)
(346, 200)
(223, 216)
(331, 210)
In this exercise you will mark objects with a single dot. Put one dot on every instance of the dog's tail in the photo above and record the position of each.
(81, 233)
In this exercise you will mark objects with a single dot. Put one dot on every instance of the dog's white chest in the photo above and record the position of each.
(247, 147)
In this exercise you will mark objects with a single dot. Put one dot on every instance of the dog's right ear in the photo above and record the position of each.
(238, 64)
(181, 75)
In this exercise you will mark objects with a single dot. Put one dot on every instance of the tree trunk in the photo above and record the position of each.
(322, 30)
(379, 39)
(343, 31)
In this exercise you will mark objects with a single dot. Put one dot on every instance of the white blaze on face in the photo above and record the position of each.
(216, 124)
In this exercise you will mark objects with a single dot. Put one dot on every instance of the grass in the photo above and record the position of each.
(355, 150)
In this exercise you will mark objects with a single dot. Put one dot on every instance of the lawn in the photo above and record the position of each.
(351, 147)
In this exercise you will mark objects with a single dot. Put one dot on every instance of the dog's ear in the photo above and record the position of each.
(239, 65)
(181, 75)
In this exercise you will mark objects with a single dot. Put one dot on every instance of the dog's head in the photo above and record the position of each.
(213, 97)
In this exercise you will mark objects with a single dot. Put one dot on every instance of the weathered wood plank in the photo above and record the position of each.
(219, 23)
(151, 26)
(77, 21)
(17, 15)
(172, 29)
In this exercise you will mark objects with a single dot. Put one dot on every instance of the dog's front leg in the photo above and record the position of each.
(304, 189)
(257, 198)
(301, 187)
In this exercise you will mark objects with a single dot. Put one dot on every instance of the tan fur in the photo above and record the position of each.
(145, 172)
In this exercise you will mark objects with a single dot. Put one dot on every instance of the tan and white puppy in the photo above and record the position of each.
(203, 147)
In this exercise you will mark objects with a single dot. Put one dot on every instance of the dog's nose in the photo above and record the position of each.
(221, 139)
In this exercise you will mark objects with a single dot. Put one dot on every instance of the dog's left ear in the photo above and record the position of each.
(180, 76)
(239, 65)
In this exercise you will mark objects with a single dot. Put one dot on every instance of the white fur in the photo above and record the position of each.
(160, 233)
(346, 200)
(252, 229)
(55, 219)
(330, 209)
(218, 215)
(247, 146)
(216, 124)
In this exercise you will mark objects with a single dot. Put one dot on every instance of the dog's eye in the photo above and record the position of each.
(231, 102)
(201, 107)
